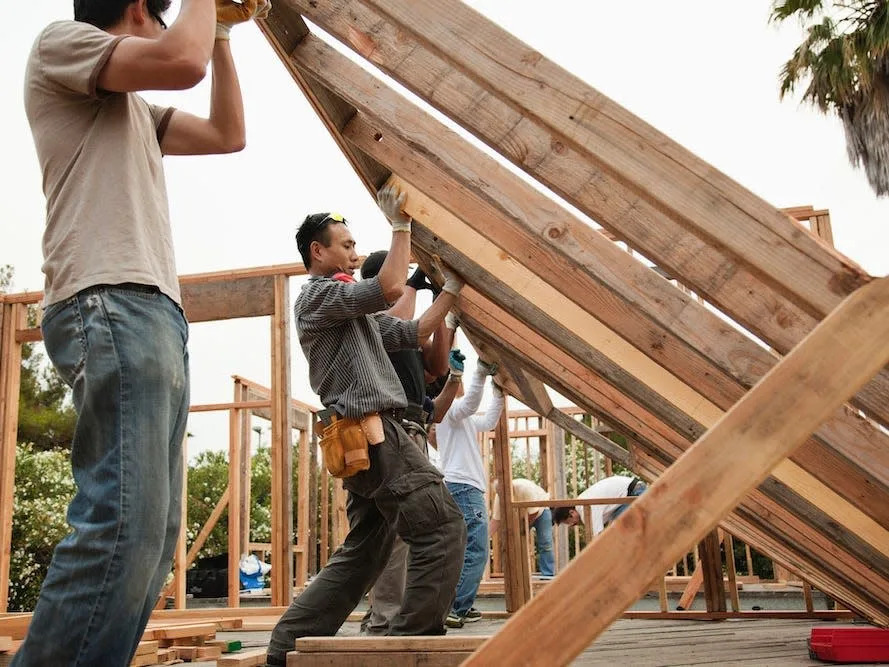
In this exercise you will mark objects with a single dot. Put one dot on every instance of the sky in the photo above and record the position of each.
(704, 72)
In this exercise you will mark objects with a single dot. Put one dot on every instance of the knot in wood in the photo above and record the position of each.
(557, 147)
(555, 231)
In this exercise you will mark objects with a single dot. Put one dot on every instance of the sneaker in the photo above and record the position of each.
(472, 615)
(454, 621)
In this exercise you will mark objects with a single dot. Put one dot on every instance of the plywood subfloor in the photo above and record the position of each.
(644, 643)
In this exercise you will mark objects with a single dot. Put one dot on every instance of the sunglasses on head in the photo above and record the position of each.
(157, 17)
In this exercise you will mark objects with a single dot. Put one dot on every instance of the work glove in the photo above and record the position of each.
(391, 202)
(419, 280)
(487, 369)
(498, 391)
(455, 363)
(229, 13)
(452, 283)
(451, 321)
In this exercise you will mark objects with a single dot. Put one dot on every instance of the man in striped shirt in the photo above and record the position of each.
(345, 338)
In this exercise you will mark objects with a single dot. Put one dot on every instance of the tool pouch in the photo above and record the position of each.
(372, 426)
(344, 448)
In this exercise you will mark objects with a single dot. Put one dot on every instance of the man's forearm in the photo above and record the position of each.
(435, 314)
(394, 269)
(226, 102)
(444, 400)
(192, 31)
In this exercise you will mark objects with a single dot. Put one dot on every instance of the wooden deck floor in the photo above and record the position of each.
(645, 643)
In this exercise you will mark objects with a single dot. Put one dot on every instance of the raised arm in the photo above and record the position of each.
(488, 421)
(394, 268)
(224, 131)
(467, 406)
(176, 60)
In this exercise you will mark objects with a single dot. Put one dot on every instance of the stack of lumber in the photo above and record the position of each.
(165, 642)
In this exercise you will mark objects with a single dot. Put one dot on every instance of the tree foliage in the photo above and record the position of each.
(46, 416)
(44, 486)
(845, 61)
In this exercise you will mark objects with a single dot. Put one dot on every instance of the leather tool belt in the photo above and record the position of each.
(344, 441)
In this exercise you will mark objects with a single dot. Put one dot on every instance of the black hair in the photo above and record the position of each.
(560, 514)
(106, 13)
(316, 227)
(373, 263)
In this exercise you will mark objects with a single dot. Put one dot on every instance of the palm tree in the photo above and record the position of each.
(845, 59)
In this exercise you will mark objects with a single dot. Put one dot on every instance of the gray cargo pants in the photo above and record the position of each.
(387, 593)
(401, 494)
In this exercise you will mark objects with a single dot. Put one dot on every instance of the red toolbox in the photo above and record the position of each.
(849, 644)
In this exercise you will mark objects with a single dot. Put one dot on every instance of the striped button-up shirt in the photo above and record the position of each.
(345, 339)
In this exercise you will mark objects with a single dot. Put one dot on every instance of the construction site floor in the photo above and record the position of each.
(644, 643)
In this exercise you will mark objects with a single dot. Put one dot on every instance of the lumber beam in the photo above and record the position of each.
(235, 451)
(12, 318)
(710, 565)
(281, 450)
(703, 485)
(694, 399)
(816, 519)
(761, 520)
(757, 265)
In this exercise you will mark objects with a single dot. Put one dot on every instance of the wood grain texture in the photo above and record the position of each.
(690, 498)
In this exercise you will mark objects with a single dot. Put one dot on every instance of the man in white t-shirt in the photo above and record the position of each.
(464, 472)
(602, 515)
(539, 518)
(113, 323)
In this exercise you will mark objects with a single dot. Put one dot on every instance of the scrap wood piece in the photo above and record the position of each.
(176, 631)
(6, 644)
(252, 658)
(144, 647)
(198, 652)
(437, 651)
(145, 659)
(704, 484)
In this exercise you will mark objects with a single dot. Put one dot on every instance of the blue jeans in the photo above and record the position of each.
(543, 529)
(638, 490)
(471, 502)
(122, 349)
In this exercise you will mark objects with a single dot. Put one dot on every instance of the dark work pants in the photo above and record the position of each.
(401, 494)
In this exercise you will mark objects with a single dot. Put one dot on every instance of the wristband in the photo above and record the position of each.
(401, 226)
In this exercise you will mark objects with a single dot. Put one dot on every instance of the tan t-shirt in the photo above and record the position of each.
(107, 217)
(523, 490)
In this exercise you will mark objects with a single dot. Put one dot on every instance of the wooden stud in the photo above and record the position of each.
(245, 472)
(850, 346)
(234, 515)
(12, 318)
(281, 450)
(305, 532)
(710, 565)
(729, 546)
(180, 557)
(325, 516)
(510, 531)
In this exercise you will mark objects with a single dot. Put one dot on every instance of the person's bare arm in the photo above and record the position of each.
(405, 306)
(394, 268)
(224, 131)
(444, 399)
(176, 60)
(436, 349)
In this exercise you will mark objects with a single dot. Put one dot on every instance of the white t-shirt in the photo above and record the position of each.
(523, 490)
(610, 487)
(460, 459)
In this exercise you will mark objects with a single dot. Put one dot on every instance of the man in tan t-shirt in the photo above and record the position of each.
(539, 518)
(113, 324)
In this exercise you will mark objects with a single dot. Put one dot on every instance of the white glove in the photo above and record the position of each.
(487, 369)
(451, 321)
(240, 12)
(451, 282)
(391, 201)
